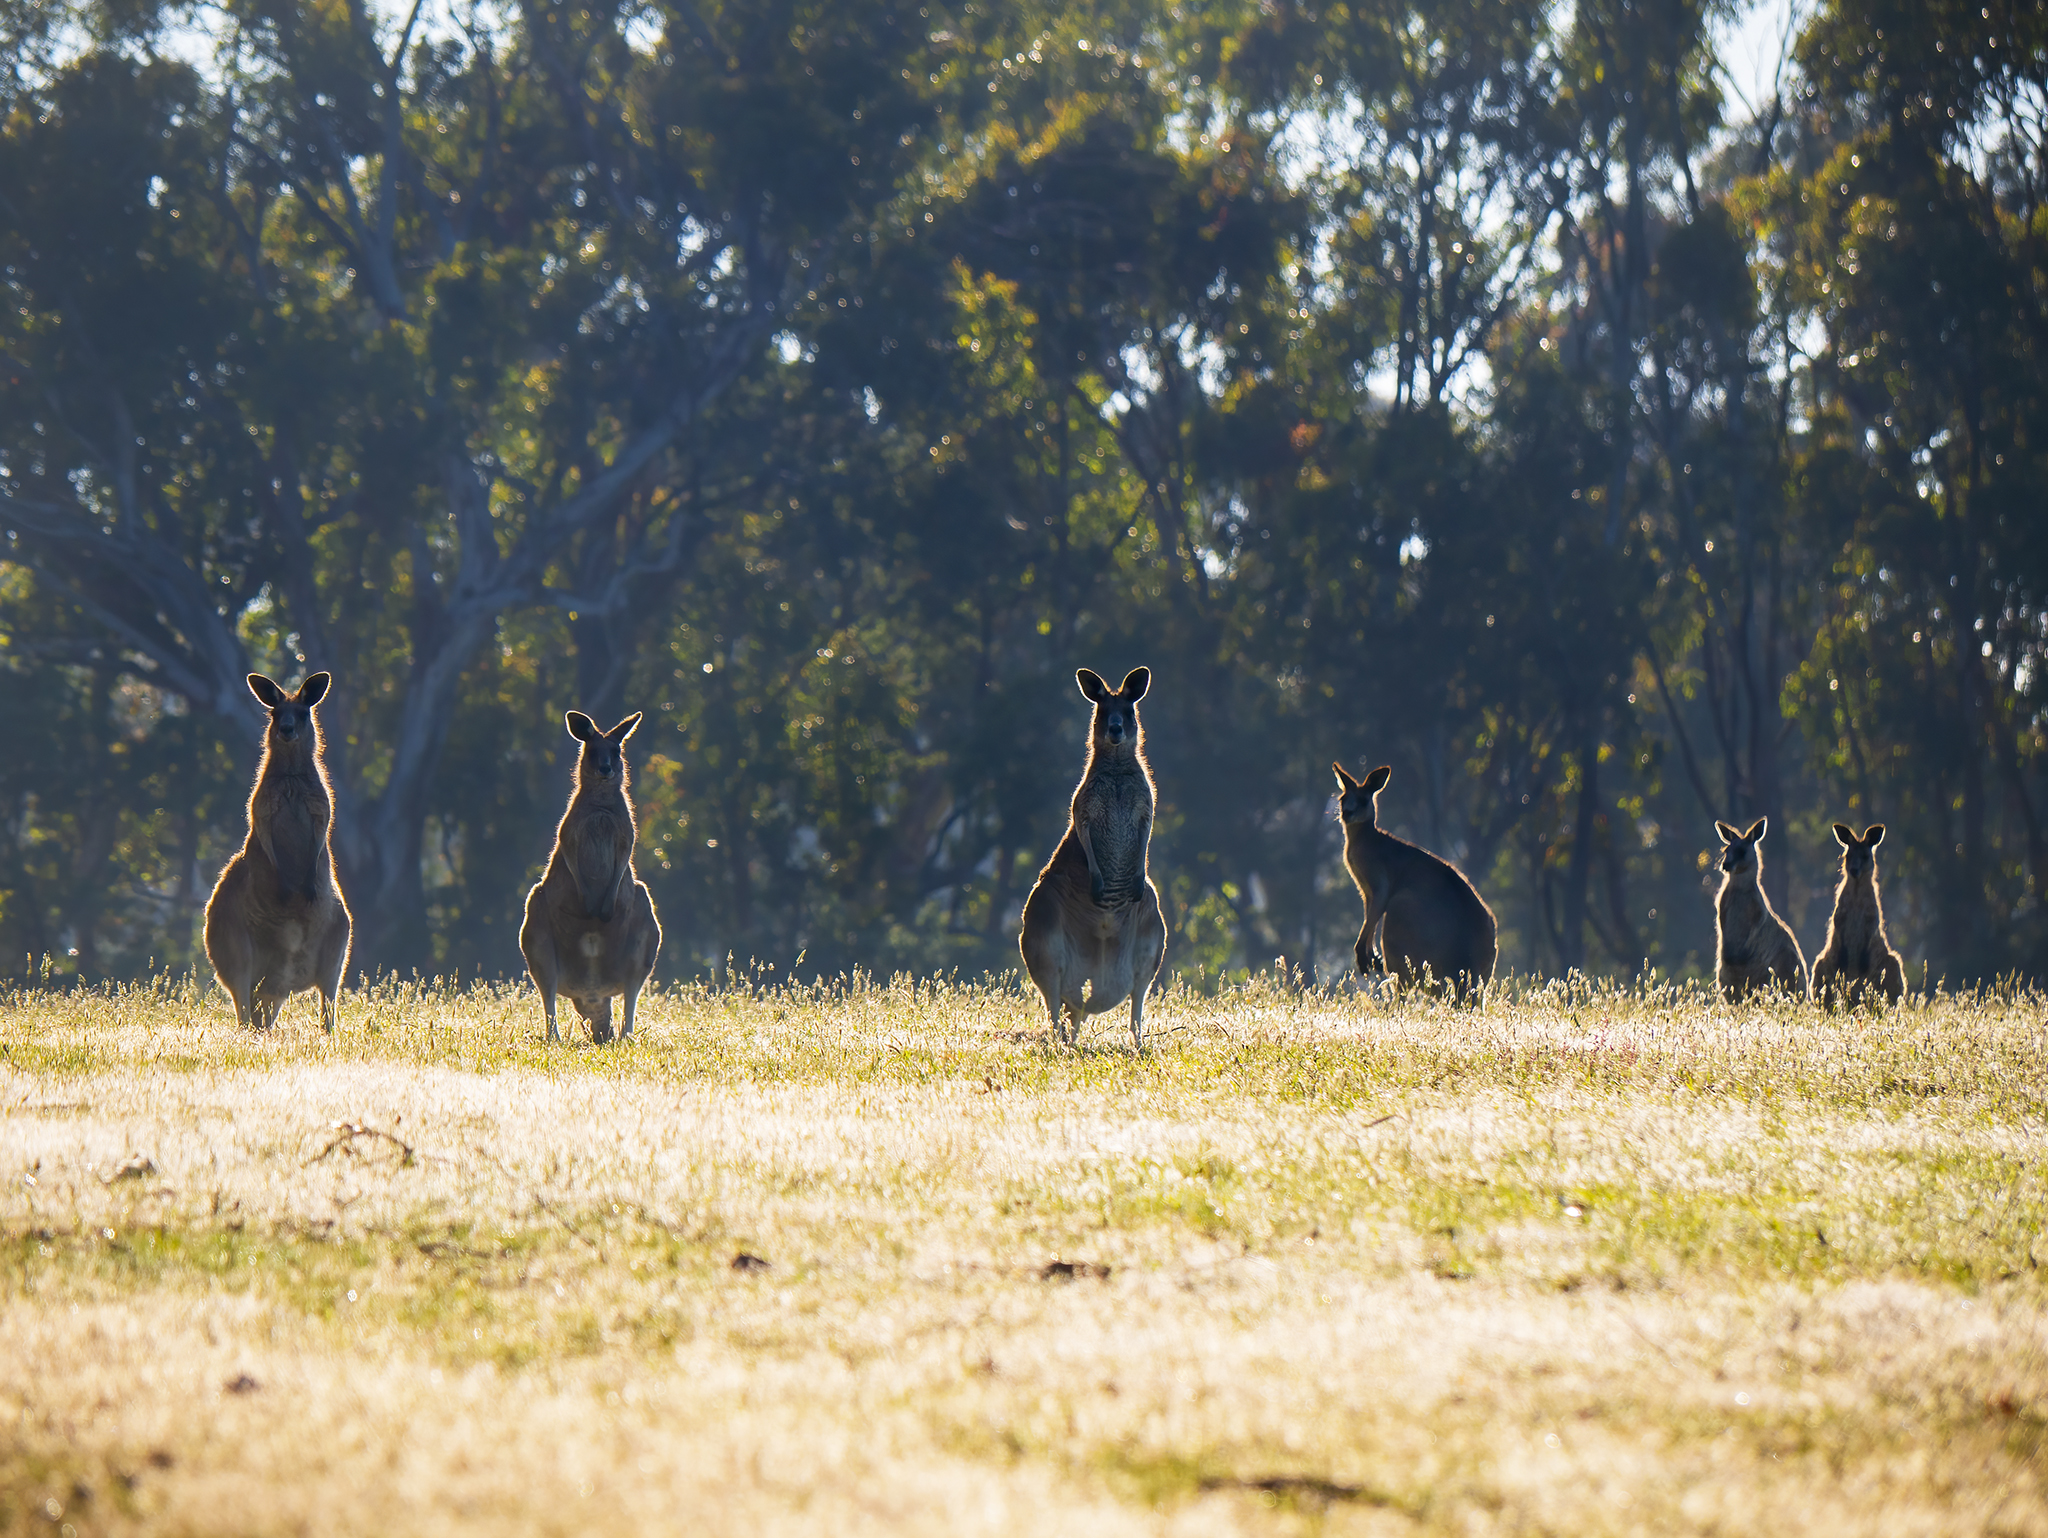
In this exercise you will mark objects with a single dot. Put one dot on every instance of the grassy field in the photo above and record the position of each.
(878, 1259)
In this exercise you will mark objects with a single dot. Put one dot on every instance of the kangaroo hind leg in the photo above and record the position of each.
(1042, 965)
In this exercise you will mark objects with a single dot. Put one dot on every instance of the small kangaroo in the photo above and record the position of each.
(1093, 934)
(1857, 961)
(590, 929)
(1433, 917)
(1756, 949)
(276, 923)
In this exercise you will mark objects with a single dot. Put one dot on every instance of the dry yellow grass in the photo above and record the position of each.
(1584, 1262)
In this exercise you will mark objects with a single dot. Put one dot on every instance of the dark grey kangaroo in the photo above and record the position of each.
(590, 929)
(1856, 963)
(276, 922)
(1433, 918)
(1758, 953)
(1093, 933)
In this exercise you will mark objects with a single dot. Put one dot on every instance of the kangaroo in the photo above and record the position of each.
(1093, 934)
(1756, 950)
(1433, 917)
(276, 923)
(590, 929)
(1857, 960)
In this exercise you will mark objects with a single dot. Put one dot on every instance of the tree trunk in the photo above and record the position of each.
(1579, 868)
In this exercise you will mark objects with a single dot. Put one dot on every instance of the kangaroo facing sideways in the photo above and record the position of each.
(276, 923)
(1757, 951)
(1093, 934)
(1432, 917)
(1857, 961)
(590, 929)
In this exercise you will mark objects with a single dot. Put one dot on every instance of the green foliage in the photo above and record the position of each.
(1458, 386)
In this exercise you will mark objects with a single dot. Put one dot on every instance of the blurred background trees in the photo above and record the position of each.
(1476, 387)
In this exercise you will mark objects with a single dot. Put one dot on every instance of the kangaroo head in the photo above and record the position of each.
(1859, 855)
(291, 715)
(1116, 710)
(1359, 800)
(603, 757)
(1741, 854)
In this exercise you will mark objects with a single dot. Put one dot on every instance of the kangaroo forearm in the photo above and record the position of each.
(1117, 894)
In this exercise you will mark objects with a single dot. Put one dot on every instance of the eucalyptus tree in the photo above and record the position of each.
(1919, 257)
(1057, 331)
(355, 341)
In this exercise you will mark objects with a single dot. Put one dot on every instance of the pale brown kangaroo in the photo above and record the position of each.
(1756, 949)
(276, 922)
(1433, 918)
(1857, 960)
(590, 929)
(1093, 934)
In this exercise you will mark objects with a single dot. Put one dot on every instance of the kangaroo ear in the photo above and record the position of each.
(1845, 835)
(581, 727)
(1755, 832)
(1873, 835)
(1343, 777)
(1729, 833)
(314, 689)
(1091, 684)
(1135, 683)
(627, 727)
(266, 691)
(1377, 781)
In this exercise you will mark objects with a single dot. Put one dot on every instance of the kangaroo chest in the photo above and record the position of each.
(1856, 942)
(1745, 925)
(596, 846)
(1370, 871)
(293, 810)
(1117, 812)
(293, 803)
(599, 836)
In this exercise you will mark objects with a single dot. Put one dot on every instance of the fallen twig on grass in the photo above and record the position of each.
(540, 1201)
(1058, 1270)
(347, 1132)
(1308, 1489)
(135, 1167)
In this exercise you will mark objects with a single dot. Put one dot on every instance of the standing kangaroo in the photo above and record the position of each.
(1857, 961)
(276, 922)
(1756, 949)
(1433, 917)
(1093, 934)
(590, 929)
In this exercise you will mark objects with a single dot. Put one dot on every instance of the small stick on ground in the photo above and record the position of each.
(541, 1201)
(347, 1132)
